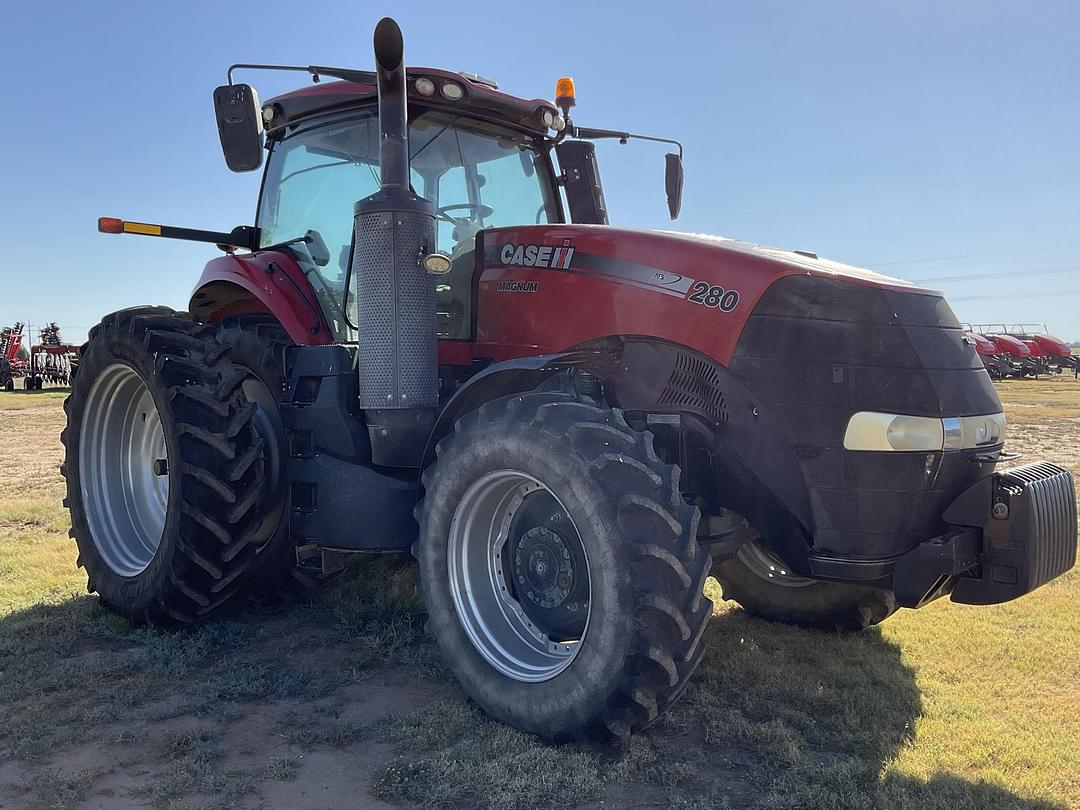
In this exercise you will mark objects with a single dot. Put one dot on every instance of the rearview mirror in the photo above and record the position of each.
(316, 245)
(673, 180)
(239, 123)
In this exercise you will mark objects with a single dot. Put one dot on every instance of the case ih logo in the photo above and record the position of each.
(557, 258)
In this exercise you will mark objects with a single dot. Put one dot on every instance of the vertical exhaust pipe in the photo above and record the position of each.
(393, 109)
(392, 230)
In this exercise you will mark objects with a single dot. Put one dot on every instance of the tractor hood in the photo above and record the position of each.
(695, 289)
(799, 259)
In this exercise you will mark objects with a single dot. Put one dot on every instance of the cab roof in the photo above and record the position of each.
(479, 98)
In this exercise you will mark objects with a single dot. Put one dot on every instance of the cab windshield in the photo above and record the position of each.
(477, 174)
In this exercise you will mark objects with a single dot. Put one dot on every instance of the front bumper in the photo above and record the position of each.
(1009, 533)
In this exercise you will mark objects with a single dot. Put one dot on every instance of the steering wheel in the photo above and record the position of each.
(481, 212)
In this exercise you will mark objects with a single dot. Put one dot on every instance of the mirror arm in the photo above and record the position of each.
(596, 134)
(316, 71)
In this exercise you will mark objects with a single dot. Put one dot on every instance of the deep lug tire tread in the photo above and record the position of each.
(640, 497)
(207, 547)
(258, 343)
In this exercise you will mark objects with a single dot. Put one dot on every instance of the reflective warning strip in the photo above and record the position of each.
(143, 228)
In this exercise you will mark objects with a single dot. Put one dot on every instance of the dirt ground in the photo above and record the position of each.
(341, 700)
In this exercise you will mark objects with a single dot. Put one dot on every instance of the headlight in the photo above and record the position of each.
(982, 430)
(869, 430)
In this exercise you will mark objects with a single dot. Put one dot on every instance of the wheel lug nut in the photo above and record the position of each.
(161, 466)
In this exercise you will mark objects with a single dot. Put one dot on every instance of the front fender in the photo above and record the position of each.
(499, 380)
(270, 282)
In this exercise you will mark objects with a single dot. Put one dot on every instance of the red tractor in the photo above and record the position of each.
(432, 340)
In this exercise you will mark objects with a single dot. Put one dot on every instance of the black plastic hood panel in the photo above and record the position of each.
(815, 351)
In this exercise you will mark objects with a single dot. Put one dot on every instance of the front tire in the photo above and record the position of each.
(762, 585)
(164, 467)
(560, 568)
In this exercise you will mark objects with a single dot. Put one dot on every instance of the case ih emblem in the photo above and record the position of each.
(557, 258)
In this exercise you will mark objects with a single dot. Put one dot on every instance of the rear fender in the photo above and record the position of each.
(269, 282)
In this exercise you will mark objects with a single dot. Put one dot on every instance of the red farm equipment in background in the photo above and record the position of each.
(11, 365)
(51, 360)
(998, 362)
(1055, 352)
(1018, 352)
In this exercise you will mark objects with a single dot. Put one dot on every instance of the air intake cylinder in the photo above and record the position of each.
(393, 230)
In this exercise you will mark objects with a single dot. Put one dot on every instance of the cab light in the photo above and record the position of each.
(565, 95)
(452, 91)
(425, 87)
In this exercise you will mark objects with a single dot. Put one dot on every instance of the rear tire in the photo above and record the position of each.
(633, 652)
(760, 583)
(257, 344)
(164, 467)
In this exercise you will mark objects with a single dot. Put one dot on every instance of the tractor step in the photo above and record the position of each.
(320, 562)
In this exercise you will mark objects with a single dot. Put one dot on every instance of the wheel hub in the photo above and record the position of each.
(547, 567)
(542, 569)
(519, 576)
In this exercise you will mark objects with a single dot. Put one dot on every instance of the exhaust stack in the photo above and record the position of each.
(392, 230)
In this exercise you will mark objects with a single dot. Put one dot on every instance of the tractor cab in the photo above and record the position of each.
(476, 173)
(485, 159)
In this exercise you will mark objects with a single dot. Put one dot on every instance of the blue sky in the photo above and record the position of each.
(925, 139)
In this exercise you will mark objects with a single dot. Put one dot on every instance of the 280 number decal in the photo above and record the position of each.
(712, 296)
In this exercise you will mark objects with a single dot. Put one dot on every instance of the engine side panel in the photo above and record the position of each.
(544, 289)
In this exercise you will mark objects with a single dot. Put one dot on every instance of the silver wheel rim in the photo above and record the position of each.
(762, 562)
(493, 619)
(122, 450)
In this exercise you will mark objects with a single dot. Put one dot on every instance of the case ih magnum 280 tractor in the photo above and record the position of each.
(432, 340)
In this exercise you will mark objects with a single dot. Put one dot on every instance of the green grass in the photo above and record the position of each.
(947, 707)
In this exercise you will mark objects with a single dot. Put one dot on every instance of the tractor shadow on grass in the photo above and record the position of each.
(776, 717)
(780, 717)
